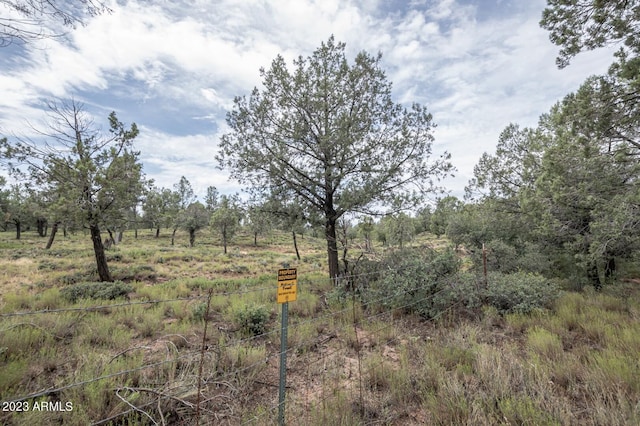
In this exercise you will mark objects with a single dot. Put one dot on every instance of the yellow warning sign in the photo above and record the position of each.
(287, 285)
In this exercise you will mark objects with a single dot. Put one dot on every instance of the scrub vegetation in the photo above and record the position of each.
(416, 337)
(518, 305)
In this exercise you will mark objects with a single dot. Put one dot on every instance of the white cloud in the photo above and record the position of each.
(476, 76)
(167, 157)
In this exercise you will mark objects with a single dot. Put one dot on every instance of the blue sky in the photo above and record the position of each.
(174, 67)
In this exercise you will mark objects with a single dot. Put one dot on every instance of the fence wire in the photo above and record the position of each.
(343, 349)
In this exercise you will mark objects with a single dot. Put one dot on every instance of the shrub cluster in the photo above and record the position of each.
(252, 319)
(430, 283)
(520, 292)
(96, 290)
(508, 258)
(408, 280)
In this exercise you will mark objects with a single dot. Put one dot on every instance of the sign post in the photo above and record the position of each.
(287, 292)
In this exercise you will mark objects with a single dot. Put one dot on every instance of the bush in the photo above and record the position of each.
(430, 284)
(79, 277)
(114, 257)
(199, 312)
(408, 280)
(520, 292)
(96, 290)
(252, 319)
(501, 257)
(534, 259)
(507, 258)
(461, 295)
(48, 265)
(135, 273)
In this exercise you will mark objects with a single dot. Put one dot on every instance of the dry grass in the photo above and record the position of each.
(575, 365)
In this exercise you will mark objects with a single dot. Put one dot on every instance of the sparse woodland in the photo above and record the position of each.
(123, 303)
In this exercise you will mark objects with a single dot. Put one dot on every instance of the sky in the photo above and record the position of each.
(174, 68)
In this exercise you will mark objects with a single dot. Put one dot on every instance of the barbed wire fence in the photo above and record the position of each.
(215, 378)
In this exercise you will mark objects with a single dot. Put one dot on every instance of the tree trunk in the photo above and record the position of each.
(41, 225)
(192, 237)
(345, 251)
(18, 228)
(173, 235)
(295, 244)
(332, 248)
(610, 268)
(255, 239)
(101, 258)
(224, 238)
(594, 278)
(111, 237)
(345, 261)
(135, 223)
(54, 229)
(158, 232)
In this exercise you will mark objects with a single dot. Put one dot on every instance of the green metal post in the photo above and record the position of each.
(283, 362)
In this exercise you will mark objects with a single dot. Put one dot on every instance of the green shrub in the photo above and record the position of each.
(135, 273)
(429, 283)
(80, 276)
(252, 319)
(461, 294)
(96, 290)
(501, 257)
(114, 257)
(199, 312)
(48, 265)
(507, 258)
(533, 258)
(409, 280)
(520, 292)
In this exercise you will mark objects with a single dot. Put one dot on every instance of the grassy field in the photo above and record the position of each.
(68, 358)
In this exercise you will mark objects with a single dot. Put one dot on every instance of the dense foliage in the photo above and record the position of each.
(432, 284)
(564, 197)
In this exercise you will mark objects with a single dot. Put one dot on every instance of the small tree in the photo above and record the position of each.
(400, 229)
(184, 196)
(226, 219)
(192, 219)
(260, 222)
(366, 227)
(346, 234)
(288, 215)
(381, 228)
(423, 220)
(59, 211)
(96, 175)
(160, 208)
(211, 199)
(292, 219)
(445, 209)
(17, 207)
(4, 202)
